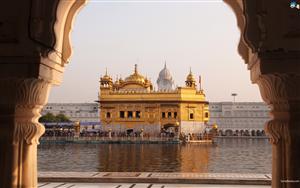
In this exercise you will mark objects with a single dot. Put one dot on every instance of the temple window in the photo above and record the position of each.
(108, 115)
(130, 114)
(138, 114)
(163, 114)
(122, 114)
(191, 115)
(169, 115)
(206, 114)
(175, 115)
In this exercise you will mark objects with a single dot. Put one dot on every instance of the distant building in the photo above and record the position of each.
(240, 118)
(132, 105)
(82, 112)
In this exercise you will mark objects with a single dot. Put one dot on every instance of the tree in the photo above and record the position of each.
(49, 117)
(62, 118)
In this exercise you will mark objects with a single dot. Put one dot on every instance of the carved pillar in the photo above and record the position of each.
(281, 92)
(34, 48)
(278, 77)
(270, 46)
(20, 104)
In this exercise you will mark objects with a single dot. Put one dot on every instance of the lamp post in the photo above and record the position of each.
(234, 95)
(177, 130)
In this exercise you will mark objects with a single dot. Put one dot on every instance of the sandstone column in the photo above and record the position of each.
(20, 104)
(34, 49)
(270, 46)
(281, 92)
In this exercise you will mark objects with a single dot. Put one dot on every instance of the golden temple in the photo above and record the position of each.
(133, 105)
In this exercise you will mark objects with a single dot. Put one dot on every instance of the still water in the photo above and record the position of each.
(229, 155)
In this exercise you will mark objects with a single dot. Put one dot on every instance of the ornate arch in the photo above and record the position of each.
(66, 13)
(237, 7)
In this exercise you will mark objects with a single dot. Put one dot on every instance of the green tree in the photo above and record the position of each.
(62, 118)
(49, 117)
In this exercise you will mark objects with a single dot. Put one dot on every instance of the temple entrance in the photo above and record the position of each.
(129, 132)
(169, 129)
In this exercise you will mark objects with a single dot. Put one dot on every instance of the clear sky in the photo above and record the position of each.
(199, 34)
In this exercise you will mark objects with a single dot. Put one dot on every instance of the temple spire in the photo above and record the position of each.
(200, 82)
(135, 69)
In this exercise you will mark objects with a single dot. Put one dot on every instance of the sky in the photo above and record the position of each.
(200, 34)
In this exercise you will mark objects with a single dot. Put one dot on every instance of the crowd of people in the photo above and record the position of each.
(59, 132)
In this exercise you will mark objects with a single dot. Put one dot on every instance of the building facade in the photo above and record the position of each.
(133, 105)
(240, 118)
(82, 112)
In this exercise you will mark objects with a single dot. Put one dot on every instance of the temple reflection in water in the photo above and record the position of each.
(229, 155)
(154, 158)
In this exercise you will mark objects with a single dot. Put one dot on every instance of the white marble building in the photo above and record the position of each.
(240, 118)
(83, 112)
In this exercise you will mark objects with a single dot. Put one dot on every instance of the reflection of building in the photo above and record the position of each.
(240, 118)
(133, 105)
(154, 157)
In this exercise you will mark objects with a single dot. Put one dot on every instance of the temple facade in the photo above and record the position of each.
(133, 105)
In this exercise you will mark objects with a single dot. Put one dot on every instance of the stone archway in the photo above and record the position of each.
(35, 47)
(253, 133)
(228, 132)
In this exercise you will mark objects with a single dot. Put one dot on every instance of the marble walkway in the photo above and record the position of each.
(151, 180)
(142, 185)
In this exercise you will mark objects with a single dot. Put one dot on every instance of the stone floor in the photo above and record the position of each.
(151, 180)
(142, 185)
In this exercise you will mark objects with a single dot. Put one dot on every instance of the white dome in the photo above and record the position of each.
(165, 80)
(165, 74)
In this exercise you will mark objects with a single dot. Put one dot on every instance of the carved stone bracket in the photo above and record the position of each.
(21, 101)
(281, 92)
(278, 130)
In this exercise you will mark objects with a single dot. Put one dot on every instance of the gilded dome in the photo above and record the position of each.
(135, 77)
(190, 80)
(190, 77)
(106, 77)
